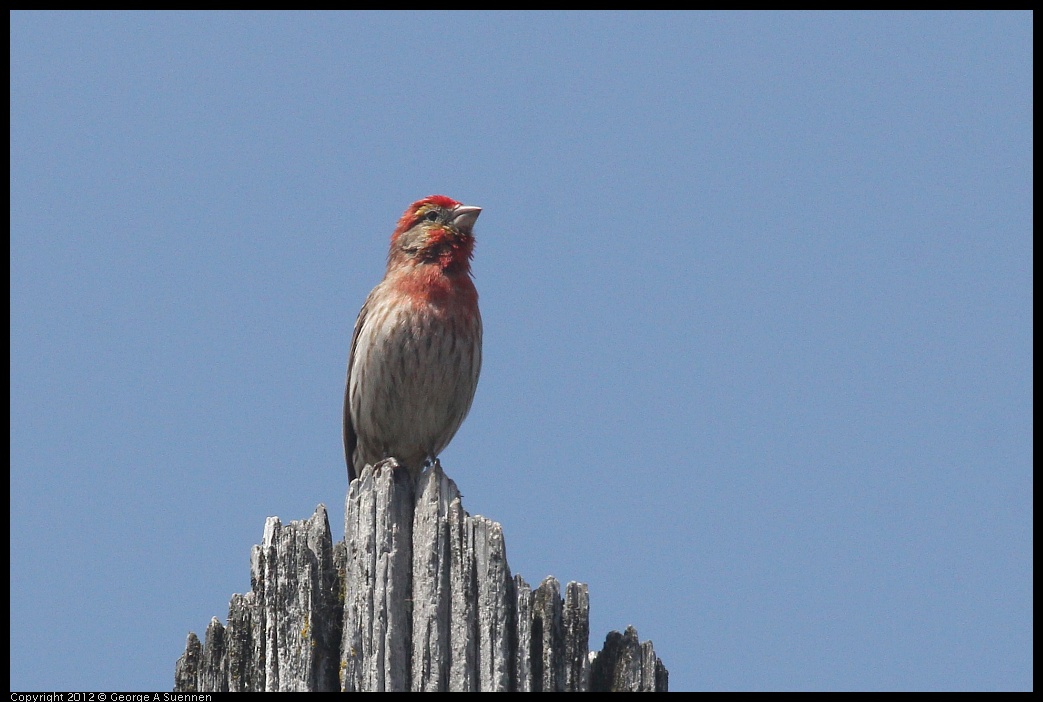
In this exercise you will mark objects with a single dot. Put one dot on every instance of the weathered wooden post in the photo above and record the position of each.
(418, 596)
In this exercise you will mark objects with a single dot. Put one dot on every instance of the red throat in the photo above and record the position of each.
(430, 285)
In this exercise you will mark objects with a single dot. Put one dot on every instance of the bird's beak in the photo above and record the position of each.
(464, 216)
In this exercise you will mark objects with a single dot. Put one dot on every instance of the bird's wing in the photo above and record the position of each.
(351, 439)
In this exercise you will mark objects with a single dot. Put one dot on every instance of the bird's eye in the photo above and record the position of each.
(431, 216)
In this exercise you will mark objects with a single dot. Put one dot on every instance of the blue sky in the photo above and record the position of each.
(757, 292)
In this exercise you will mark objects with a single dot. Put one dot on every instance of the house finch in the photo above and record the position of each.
(417, 346)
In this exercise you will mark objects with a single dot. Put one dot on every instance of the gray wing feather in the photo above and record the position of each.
(351, 439)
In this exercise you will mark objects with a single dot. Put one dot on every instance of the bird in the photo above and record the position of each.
(416, 349)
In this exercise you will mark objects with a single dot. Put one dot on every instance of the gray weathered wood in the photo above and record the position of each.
(419, 596)
(375, 655)
(495, 600)
(575, 621)
(624, 664)
(243, 654)
(186, 671)
(301, 605)
(522, 667)
(431, 583)
(548, 639)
